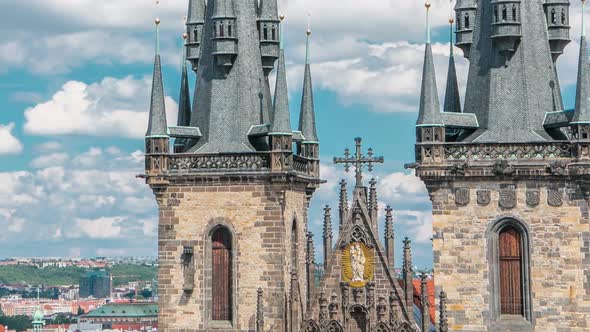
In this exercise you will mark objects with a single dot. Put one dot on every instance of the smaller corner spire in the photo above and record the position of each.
(582, 109)
(307, 120)
(452, 102)
(429, 113)
(327, 222)
(389, 231)
(442, 318)
(157, 126)
(281, 118)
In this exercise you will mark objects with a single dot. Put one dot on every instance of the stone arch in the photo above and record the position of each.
(382, 327)
(359, 319)
(493, 255)
(404, 327)
(334, 326)
(207, 280)
(310, 326)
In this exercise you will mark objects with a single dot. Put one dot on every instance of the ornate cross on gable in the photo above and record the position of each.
(358, 161)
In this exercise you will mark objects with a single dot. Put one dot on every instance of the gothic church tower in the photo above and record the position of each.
(233, 195)
(509, 175)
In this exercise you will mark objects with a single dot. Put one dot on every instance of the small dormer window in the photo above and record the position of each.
(274, 33)
(265, 32)
(215, 30)
(196, 35)
(221, 30)
(467, 25)
(495, 14)
(553, 16)
(514, 14)
(504, 13)
(229, 29)
(563, 17)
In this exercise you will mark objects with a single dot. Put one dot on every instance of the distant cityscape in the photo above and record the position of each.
(78, 294)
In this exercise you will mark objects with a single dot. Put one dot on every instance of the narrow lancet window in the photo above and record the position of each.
(467, 21)
(510, 272)
(221, 275)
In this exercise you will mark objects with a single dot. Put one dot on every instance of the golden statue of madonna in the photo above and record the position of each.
(357, 264)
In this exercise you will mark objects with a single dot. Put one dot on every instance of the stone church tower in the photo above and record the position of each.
(233, 194)
(509, 175)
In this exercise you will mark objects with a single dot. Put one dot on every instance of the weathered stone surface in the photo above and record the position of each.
(559, 266)
(260, 214)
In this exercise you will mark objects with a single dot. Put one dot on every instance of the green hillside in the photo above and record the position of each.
(53, 276)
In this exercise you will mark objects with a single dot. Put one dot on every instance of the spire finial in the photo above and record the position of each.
(451, 22)
(308, 34)
(281, 40)
(427, 5)
(583, 18)
(157, 21)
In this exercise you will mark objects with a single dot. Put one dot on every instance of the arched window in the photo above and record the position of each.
(294, 244)
(221, 30)
(509, 266)
(274, 33)
(458, 23)
(504, 13)
(196, 35)
(467, 21)
(563, 17)
(229, 29)
(221, 275)
(265, 32)
(553, 16)
(510, 271)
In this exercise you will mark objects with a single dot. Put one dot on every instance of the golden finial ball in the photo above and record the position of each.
(308, 32)
(158, 21)
(451, 20)
(184, 36)
(427, 5)
(282, 17)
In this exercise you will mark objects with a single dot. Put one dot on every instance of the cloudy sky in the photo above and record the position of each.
(74, 86)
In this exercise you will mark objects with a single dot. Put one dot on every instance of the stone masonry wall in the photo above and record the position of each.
(253, 211)
(560, 266)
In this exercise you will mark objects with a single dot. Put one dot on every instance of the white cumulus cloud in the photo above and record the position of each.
(112, 107)
(9, 144)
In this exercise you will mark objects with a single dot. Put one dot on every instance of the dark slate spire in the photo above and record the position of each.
(307, 124)
(230, 79)
(582, 112)
(281, 119)
(512, 79)
(157, 126)
(429, 113)
(327, 234)
(452, 99)
(184, 100)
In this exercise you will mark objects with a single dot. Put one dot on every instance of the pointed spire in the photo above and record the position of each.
(424, 304)
(307, 124)
(582, 111)
(327, 235)
(184, 100)
(389, 237)
(157, 126)
(452, 98)
(429, 114)
(281, 119)
(343, 203)
(259, 310)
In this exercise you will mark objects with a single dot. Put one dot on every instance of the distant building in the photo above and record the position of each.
(95, 284)
(137, 315)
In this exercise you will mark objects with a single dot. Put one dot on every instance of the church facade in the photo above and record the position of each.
(508, 172)
(234, 249)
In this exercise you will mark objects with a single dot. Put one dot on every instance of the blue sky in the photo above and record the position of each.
(74, 86)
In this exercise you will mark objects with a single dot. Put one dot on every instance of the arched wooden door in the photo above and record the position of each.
(221, 275)
(510, 272)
